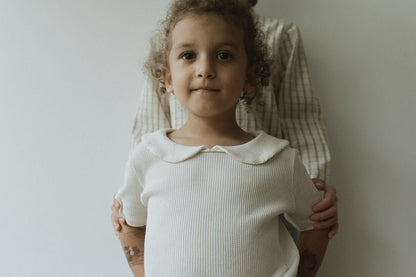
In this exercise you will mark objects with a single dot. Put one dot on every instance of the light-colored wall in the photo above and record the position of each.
(69, 82)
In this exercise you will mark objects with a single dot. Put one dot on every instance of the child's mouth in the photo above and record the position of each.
(205, 89)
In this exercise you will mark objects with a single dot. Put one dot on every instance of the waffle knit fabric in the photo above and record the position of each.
(215, 211)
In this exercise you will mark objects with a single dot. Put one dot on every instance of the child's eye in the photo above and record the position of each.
(187, 56)
(224, 56)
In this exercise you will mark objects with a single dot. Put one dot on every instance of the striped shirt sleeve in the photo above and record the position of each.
(152, 114)
(299, 109)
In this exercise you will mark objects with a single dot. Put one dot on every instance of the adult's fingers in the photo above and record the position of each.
(330, 199)
(333, 231)
(326, 214)
(116, 219)
(326, 224)
(115, 222)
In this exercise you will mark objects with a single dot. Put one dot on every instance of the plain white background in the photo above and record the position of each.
(70, 73)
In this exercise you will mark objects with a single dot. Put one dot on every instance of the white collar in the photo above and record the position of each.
(257, 151)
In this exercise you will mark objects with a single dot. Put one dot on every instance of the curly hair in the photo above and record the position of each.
(237, 12)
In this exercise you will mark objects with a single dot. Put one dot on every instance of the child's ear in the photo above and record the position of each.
(167, 78)
(250, 83)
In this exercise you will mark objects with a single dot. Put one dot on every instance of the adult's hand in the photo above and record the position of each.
(116, 219)
(326, 211)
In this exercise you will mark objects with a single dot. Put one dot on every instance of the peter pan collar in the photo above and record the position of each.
(257, 151)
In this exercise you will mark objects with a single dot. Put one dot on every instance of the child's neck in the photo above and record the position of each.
(210, 132)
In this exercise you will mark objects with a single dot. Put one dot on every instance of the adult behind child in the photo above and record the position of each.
(206, 197)
(288, 110)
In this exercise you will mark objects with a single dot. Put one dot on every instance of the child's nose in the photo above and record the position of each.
(205, 69)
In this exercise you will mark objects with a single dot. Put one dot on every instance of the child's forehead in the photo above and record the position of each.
(191, 26)
(206, 20)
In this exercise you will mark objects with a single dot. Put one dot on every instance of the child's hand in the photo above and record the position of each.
(326, 211)
(116, 219)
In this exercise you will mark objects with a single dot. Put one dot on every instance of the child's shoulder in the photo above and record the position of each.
(277, 147)
(147, 142)
(158, 135)
(158, 145)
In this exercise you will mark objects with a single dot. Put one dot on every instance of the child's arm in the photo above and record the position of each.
(312, 246)
(132, 241)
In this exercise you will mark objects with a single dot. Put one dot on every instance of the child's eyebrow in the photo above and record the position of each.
(184, 45)
(230, 44)
(221, 44)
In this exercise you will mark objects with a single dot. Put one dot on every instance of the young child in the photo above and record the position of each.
(210, 194)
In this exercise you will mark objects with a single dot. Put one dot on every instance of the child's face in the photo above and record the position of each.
(207, 65)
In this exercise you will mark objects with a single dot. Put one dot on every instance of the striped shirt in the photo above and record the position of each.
(287, 108)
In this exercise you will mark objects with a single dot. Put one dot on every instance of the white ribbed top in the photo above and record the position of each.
(215, 212)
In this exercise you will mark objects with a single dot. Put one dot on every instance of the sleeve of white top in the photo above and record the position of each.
(305, 195)
(132, 209)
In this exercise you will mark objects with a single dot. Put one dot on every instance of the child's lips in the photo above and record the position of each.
(205, 89)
